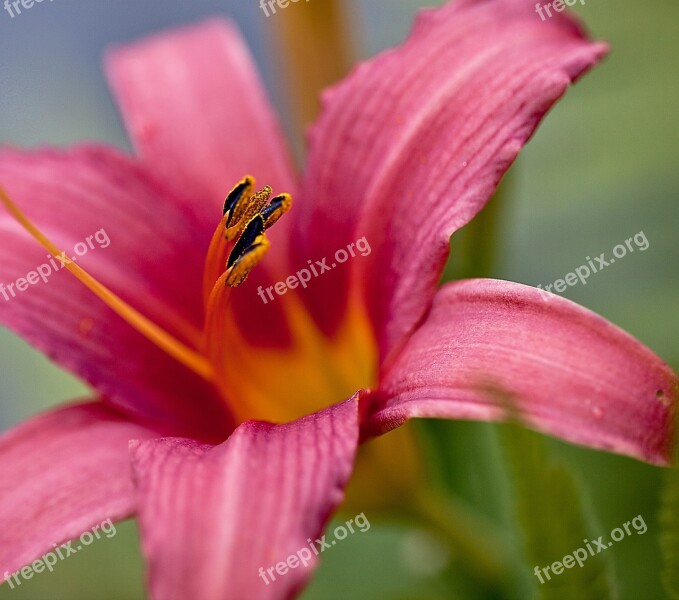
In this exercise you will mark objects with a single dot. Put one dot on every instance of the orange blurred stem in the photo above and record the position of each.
(314, 49)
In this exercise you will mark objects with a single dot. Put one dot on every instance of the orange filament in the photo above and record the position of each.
(161, 338)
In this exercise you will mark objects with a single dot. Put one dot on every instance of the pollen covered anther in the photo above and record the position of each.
(244, 209)
(242, 190)
(247, 217)
(276, 209)
(248, 251)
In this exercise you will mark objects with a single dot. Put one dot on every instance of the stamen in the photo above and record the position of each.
(217, 321)
(215, 260)
(247, 220)
(242, 190)
(276, 209)
(248, 251)
(253, 230)
(166, 342)
(244, 210)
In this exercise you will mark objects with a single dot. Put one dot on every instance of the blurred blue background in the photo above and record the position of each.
(601, 168)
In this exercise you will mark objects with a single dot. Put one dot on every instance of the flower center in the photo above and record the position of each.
(261, 380)
(274, 384)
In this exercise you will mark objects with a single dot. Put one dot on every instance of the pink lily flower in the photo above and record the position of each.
(240, 410)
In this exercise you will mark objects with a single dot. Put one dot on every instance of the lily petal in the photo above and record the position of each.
(146, 252)
(414, 142)
(62, 473)
(198, 113)
(211, 516)
(571, 373)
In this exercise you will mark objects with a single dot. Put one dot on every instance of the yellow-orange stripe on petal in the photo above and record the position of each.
(282, 384)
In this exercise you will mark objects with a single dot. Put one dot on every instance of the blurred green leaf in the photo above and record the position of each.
(474, 248)
(552, 515)
(669, 521)
(669, 537)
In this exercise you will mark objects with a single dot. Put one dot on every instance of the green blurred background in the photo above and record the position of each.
(601, 168)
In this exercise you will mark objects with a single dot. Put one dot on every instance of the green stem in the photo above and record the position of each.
(473, 249)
